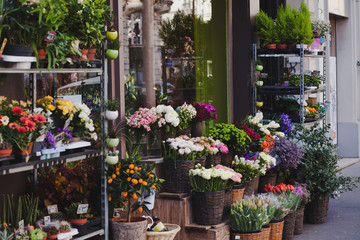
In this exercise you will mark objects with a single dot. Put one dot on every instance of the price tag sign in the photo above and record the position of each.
(52, 209)
(82, 208)
(47, 220)
(50, 36)
(22, 225)
(237, 237)
(117, 212)
(59, 137)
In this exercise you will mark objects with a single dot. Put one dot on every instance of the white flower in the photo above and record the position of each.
(187, 150)
(280, 134)
(272, 124)
(5, 120)
(267, 132)
(175, 122)
(83, 116)
(181, 151)
(38, 110)
(94, 136)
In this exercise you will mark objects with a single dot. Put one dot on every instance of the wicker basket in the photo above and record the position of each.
(177, 175)
(269, 178)
(280, 179)
(173, 229)
(209, 207)
(186, 131)
(265, 232)
(251, 187)
(212, 160)
(316, 211)
(237, 193)
(226, 159)
(201, 160)
(246, 236)
(276, 230)
(227, 204)
(289, 225)
(299, 222)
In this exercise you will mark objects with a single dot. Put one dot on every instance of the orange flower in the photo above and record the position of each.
(40, 118)
(13, 125)
(265, 144)
(30, 126)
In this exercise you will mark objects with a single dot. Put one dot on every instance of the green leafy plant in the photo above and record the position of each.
(319, 168)
(248, 214)
(303, 26)
(290, 15)
(64, 226)
(282, 31)
(114, 44)
(22, 235)
(112, 105)
(115, 153)
(236, 140)
(265, 28)
(71, 211)
(37, 234)
(5, 235)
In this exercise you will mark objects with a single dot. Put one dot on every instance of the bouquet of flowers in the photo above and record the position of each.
(205, 112)
(248, 168)
(288, 192)
(288, 154)
(255, 124)
(17, 125)
(266, 161)
(183, 149)
(286, 125)
(236, 140)
(248, 214)
(131, 179)
(211, 146)
(279, 204)
(212, 179)
(186, 113)
(168, 118)
(270, 205)
(81, 124)
(300, 189)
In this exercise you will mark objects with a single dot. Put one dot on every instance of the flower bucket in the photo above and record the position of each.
(111, 115)
(276, 229)
(134, 230)
(227, 159)
(265, 232)
(173, 229)
(177, 175)
(212, 160)
(112, 142)
(186, 131)
(208, 207)
(196, 130)
(289, 225)
(316, 211)
(237, 193)
(299, 222)
(251, 187)
(201, 161)
(255, 235)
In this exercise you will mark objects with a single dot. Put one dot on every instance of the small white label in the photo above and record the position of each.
(294, 59)
(22, 225)
(117, 212)
(52, 209)
(237, 237)
(82, 208)
(38, 154)
(47, 220)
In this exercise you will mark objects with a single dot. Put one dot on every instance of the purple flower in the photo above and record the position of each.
(288, 154)
(286, 124)
(67, 132)
(49, 141)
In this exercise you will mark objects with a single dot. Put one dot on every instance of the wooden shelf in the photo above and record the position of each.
(31, 165)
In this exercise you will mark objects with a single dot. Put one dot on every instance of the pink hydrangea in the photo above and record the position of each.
(143, 118)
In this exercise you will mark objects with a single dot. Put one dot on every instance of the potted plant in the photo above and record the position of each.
(303, 26)
(208, 191)
(21, 235)
(236, 140)
(179, 157)
(74, 217)
(282, 31)
(5, 147)
(204, 112)
(65, 227)
(37, 234)
(113, 49)
(130, 180)
(265, 29)
(319, 162)
(290, 15)
(111, 34)
(5, 234)
(112, 158)
(247, 218)
(112, 106)
(113, 139)
(52, 232)
(300, 189)
(187, 113)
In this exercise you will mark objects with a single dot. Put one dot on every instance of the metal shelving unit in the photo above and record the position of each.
(5, 163)
(298, 56)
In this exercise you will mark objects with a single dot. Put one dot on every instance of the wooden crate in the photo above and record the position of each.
(200, 232)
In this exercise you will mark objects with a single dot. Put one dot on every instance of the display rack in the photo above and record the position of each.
(297, 55)
(32, 165)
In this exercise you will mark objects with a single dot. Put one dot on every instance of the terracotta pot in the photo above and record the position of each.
(91, 54)
(134, 230)
(84, 53)
(282, 46)
(18, 151)
(5, 152)
(78, 221)
(41, 53)
(65, 231)
(292, 45)
(271, 46)
(52, 236)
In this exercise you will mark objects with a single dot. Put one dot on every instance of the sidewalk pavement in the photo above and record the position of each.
(343, 220)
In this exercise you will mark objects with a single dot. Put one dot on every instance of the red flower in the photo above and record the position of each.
(40, 118)
(17, 110)
(23, 119)
(21, 129)
(13, 125)
(30, 125)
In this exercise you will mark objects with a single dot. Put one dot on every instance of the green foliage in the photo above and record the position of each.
(236, 140)
(319, 165)
(37, 234)
(303, 26)
(114, 44)
(112, 105)
(5, 235)
(265, 28)
(281, 26)
(290, 16)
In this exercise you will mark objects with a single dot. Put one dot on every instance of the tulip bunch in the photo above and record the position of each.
(286, 192)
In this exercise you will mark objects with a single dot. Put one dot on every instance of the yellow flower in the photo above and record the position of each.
(29, 102)
(14, 102)
(50, 107)
(65, 111)
(23, 104)
(2, 98)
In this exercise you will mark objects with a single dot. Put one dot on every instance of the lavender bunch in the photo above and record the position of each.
(286, 125)
(288, 155)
